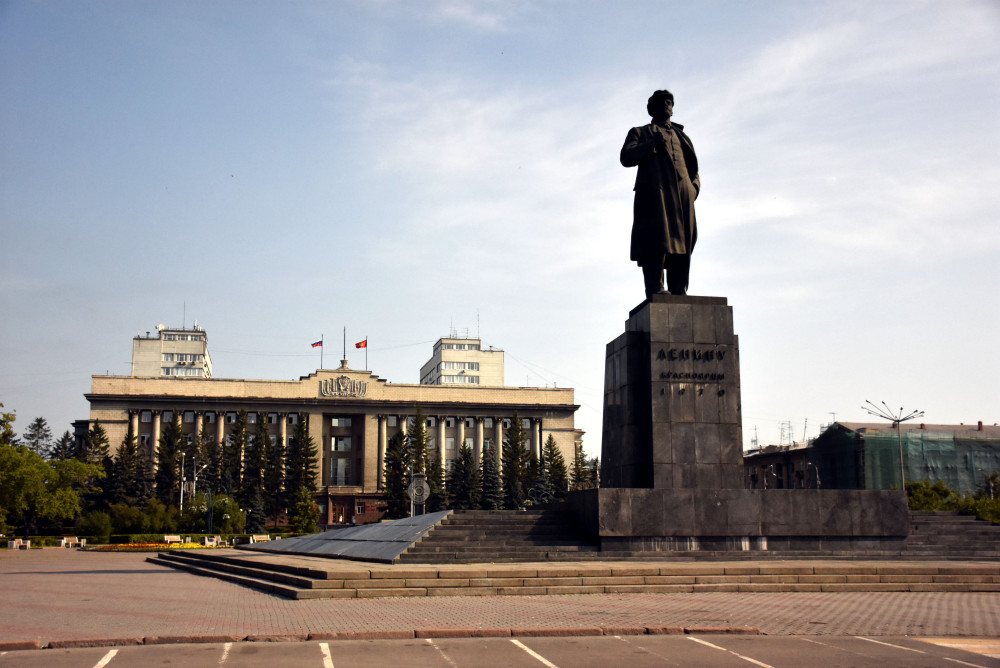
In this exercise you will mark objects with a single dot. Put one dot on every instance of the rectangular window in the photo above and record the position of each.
(252, 418)
(391, 421)
(340, 422)
(188, 417)
(359, 507)
(143, 440)
(293, 418)
(468, 442)
(272, 418)
(431, 422)
(168, 357)
(340, 443)
(449, 443)
(449, 422)
(231, 417)
(488, 444)
(340, 471)
(210, 417)
(470, 423)
(526, 423)
(488, 423)
(145, 416)
(168, 416)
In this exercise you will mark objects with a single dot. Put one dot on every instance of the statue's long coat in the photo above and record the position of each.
(663, 219)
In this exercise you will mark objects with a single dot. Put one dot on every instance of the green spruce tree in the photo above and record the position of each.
(397, 478)
(437, 497)
(515, 463)
(275, 500)
(464, 481)
(210, 454)
(168, 460)
(300, 458)
(232, 456)
(97, 445)
(304, 516)
(63, 447)
(492, 495)
(555, 468)
(579, 475)
(38, 437)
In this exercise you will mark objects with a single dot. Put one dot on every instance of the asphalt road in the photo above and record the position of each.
(630, 651)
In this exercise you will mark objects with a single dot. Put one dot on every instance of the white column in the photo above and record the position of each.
(133, 422)
(441, 421)
(460, 424)
(477, 448)
(498, 429)
(155, 438)
(383, 422)
(536, 436)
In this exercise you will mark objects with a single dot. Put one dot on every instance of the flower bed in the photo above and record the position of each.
(148, 547)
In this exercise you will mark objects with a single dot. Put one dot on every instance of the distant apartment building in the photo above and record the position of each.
(458, 361)
(172, 352)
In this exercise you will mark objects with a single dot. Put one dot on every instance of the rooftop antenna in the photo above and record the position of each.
(895, 418)
(477, 323)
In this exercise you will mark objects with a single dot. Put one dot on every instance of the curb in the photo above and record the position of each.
(15, 645)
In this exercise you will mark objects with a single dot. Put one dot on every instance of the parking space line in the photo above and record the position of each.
(533, 653)
(441, 652)
(887, 644)
(964, 663)
(327, 657)
(225, 652)
(745, 658)
(106, 659)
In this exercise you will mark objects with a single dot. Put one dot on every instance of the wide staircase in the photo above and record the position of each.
(948, 535)
(467, 536)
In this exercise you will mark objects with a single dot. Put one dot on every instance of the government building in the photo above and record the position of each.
(351, 415)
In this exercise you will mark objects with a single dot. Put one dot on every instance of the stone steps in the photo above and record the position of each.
(315, 577)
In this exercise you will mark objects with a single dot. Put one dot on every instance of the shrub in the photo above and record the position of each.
(96, 524)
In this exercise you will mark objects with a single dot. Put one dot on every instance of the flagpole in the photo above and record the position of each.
(345, 343)
(366, 352)
(321, 351)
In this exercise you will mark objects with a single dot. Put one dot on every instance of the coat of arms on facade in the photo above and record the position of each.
(343, 386)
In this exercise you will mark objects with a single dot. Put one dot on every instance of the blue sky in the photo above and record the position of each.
(281, 170)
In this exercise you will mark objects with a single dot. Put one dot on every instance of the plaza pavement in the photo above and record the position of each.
(62, 598)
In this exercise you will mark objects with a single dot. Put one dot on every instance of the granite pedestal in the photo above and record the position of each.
(672, 454)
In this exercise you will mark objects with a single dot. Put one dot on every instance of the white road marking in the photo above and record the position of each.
(106, 659)
(974, 665)
(533, 653)
(441, 652)
(879, 642)
(327, 657)
(225, 652)
(745, 658)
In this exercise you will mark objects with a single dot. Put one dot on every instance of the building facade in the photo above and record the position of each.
(458, 361)
(172, 352)
(351, 416)
(865, 455)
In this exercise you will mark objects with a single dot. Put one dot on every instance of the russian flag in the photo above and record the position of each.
(318, 344)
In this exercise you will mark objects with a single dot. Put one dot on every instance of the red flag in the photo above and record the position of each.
(361, 344)
(318, 344)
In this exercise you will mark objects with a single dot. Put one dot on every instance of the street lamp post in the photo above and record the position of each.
(896, 418)
(183, 455)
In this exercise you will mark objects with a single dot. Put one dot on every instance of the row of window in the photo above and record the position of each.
(460, 346)
(188, 417)
(180, 371)
(467, 366)
(449, 422)
(460, 380)
(210, 417)
(183, 337)
(183, 357)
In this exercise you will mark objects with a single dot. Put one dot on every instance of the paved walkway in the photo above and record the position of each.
(57, 595)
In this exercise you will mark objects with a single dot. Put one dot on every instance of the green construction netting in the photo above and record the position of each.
(963, 463)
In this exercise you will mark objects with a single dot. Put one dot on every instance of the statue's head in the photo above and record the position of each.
(655, 104)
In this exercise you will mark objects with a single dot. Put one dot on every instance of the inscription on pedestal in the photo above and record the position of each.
(672, 407)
